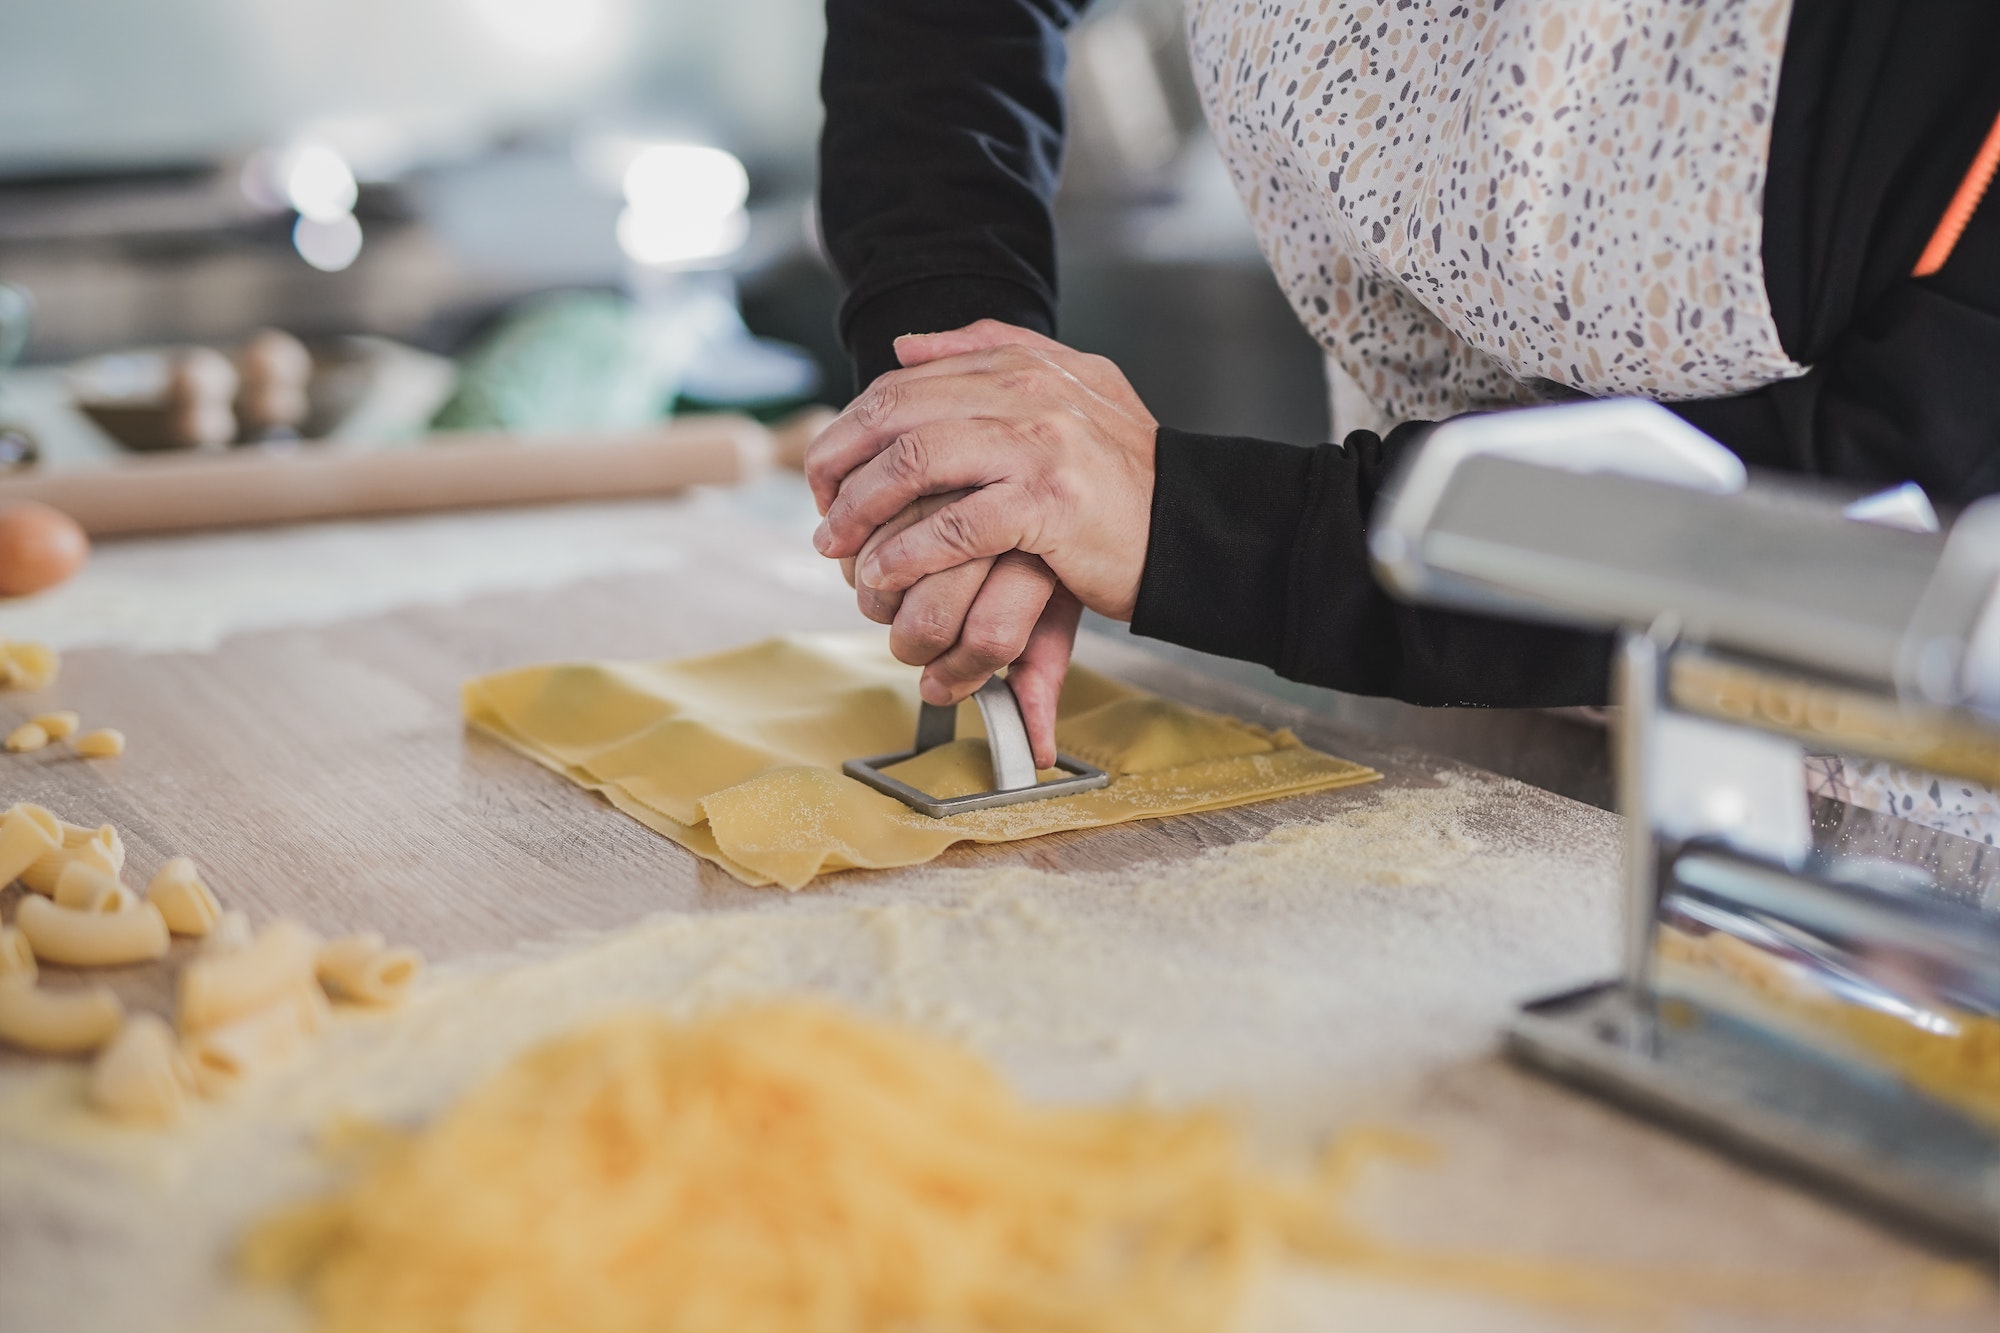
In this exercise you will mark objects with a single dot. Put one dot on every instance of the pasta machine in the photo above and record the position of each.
(1835, 1018)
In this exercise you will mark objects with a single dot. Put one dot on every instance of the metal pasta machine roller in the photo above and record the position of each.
(1832, 1017)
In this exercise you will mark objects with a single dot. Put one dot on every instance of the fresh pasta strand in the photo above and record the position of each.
(58, 1022)
(92, 939)
(223, 1057)
(183, 899)
(785, 1166)
(17, 960)
(82, 887)
(363, 970)
(27, 834)
(142, 1076)
(218, 988)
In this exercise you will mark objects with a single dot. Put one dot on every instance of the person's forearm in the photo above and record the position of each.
(1258, 551)
(938, 161)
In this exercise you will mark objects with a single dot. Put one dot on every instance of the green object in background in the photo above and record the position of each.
(574, 361)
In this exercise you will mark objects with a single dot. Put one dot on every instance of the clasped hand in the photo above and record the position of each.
(980, 497)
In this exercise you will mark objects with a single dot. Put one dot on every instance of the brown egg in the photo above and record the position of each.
(39, 548)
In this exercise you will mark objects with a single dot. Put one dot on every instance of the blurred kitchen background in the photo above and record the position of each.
(535, 214)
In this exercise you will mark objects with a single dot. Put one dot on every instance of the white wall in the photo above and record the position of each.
(111, 83)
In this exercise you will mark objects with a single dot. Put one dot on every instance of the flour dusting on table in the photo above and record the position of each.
(1300, 979)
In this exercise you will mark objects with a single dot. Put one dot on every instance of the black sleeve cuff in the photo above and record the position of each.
(869, 329)
(1226, 513)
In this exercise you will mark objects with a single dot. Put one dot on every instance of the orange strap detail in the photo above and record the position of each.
(1963, 205)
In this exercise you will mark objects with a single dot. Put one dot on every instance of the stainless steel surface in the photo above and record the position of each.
(1638, 667)
(1779, 1105)
(1775, 579)
(1832, 1016)
(1007, 741)
(1928, 945)
(1006, 735)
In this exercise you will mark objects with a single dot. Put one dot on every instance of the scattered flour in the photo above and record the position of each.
(1301, 979)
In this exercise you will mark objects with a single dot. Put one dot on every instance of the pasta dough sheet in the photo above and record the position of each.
(737, 756)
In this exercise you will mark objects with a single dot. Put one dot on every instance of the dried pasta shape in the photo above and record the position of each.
(142, 1076)
(361, 969)
(101, 847)
(219, 988)
(27, 834)
(104, 837)
(82, 887)
(58, 1022)
(223, 1057)
(103, 743)
(17, 960)
(183, 899)
(26, 738)
(231, 932)
(28, 666)
(59, 726)
(92, 939)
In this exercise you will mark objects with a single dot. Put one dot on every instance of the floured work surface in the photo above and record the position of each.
(1356, 963)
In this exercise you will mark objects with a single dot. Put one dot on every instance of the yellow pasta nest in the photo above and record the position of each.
(787, 1168)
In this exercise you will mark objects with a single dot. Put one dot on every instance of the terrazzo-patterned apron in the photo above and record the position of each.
(1495, 202)
(1471, 204)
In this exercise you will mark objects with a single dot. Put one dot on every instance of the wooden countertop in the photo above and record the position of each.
(323, 772)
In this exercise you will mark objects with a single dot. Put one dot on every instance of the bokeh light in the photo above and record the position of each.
(684, 205)
(686, 178)
(318, 183)
(328, 246)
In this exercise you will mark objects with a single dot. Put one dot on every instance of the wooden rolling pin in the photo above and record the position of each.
(289, 483)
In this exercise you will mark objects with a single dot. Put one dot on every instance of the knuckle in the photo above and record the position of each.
(1054, 487)
(1046, 431)
(958, 530)
(908, 459)
(878, 403)
(926, 628)
(990, 647)
(876, 606)
(840, 513)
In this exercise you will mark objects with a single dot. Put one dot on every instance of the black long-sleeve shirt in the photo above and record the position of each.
(938, 166)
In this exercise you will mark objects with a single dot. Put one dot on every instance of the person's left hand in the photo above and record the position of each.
(1053, 448)
(1053, 451)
